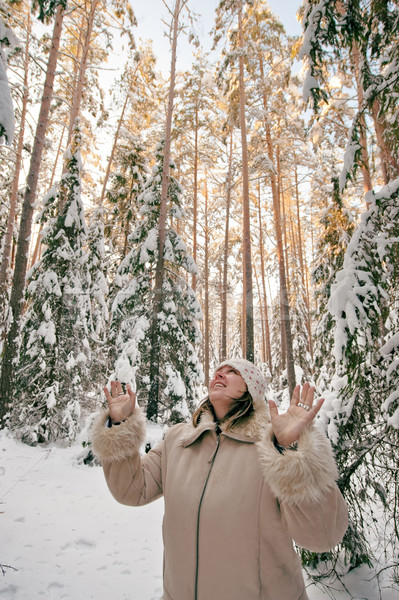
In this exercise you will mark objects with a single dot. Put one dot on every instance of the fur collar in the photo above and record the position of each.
(250, 430)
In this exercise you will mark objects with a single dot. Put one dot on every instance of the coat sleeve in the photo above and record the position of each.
(304, 483)
(132, 479)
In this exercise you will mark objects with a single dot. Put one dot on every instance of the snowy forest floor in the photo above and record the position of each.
(64, 537)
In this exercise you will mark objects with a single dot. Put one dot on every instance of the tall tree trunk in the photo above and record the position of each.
(153, 399)
(302, 262)
(113, 149)
(284, 304)
(21, 260)
(262, 319)
(355, 55)
(206, 299)
(8, 237)
(77, 96)
(195, 198)
(37, 249)
(248, 324)
(389, 165)
(223, 345)
(268, 357)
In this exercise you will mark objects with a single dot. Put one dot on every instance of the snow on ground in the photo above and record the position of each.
(69, 539)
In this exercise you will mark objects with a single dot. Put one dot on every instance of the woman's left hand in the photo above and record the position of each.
(288, 427)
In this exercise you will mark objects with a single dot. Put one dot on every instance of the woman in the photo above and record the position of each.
(239, 482)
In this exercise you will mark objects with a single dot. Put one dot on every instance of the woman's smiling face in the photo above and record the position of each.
(225, 387)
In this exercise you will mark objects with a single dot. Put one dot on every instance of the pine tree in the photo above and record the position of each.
(53, 374)
(21, 260)
(131, 313)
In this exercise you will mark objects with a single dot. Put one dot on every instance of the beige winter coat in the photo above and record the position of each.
(233, 504)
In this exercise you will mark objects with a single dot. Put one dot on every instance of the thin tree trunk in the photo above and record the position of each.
(8, 237)
(389, 165)
(153, 399)
(37, 250)
(367, 184)
(305, 280)
(77, 96)
(21, 260)
(206, 299)
(287, 349)
(262, 319)
(223, 347)
(113, 149)
(195, 198)
(288, 353)
(248, 324)
(262, 270)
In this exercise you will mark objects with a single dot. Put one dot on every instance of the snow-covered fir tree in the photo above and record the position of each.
(126, 183)
(98, 292)
(53, 373)
(362, 411)
(180, 370)
(338, 225)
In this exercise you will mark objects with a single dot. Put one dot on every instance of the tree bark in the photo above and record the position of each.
(223, 345)
(248, 311)
(206, 299)
(367, 184)
(303, 265)
(195, 198)
(287, 348)
(8, 237)
(284, 302)
(389, 165)
(21, 260)
(268, 349)
(77, 96)
(153, 399)
(111, 158)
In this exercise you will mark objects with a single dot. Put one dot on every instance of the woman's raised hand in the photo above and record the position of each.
(288, 427)
(121, 404)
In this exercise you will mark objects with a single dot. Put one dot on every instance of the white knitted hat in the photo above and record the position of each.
(252, 376)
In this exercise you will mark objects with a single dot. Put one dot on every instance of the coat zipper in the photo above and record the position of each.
(212, 461)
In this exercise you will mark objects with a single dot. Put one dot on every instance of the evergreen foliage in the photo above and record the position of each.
(54, 366)
(363, 422)
(372, 28)
(98, 292)
(127, 180)
(177, 329)
(338, 226)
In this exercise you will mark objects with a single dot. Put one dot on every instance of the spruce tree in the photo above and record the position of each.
(338, 226)
(53, 373)
(177, 328)
(363, 421)
(99, 292)
(126, 183)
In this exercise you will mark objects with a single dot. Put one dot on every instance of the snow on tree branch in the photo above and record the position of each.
(7, 118)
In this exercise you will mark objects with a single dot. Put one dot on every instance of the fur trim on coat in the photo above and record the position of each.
(301, 475)
(120, 441)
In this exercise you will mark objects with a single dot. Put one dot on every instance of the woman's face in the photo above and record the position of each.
(226, 386)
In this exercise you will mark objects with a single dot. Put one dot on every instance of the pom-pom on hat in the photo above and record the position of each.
(252, 376)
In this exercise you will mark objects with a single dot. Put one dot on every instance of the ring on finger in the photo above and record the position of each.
(305, 406)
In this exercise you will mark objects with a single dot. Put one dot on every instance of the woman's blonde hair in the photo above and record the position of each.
(241, 409)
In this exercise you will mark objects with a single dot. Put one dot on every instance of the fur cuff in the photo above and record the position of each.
(301, 475)
(120, 441)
